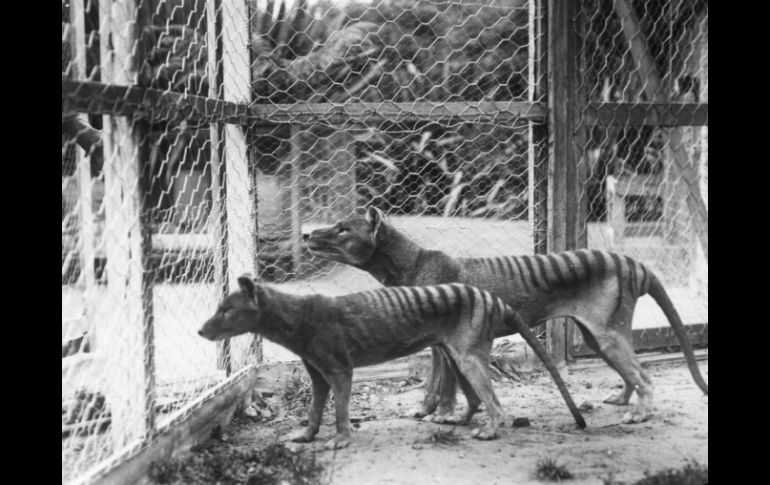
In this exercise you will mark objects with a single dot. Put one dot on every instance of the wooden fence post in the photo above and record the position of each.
(566, 211)
(538, 130)
(218, 215)
(125, 318)
(241, 198)
(83, 160)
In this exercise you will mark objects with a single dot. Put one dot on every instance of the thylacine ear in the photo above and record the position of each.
(375, 217)
(246, 285)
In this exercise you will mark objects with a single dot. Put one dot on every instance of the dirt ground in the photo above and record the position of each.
(391, 449)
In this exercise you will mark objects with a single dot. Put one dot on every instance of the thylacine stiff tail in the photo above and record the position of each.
(514, 321)
(658, 293)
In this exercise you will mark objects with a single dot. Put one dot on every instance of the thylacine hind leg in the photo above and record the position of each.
(441, 388)
(440, 395)
(617, 352)
(447, 388)
(470, 396)
(620, 324)
(604, 316)
(474, 366)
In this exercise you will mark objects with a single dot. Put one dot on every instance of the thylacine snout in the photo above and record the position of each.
(208, 330)
(238, 313)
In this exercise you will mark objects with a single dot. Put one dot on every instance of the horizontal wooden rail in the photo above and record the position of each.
(158, 105)
(648, 114)
(499, 111)
(151, 104)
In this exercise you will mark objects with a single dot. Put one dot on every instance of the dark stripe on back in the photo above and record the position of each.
(600, 262)
(499, 266)
(419, 299)
(618, 264)
(541, 264)
(393, 302)
(583, 260)
(444, 298)
(528, 263)
(570, 266)
(556, 269)
(483, 296)
(458, 297)
(645, 276)
(632, 275)
(471, 298)
(402, 292)
(431, 302)
(519, 271)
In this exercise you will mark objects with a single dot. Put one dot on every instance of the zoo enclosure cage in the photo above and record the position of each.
(224, 130)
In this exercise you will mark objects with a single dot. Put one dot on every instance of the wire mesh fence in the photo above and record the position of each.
(646, 175)
(202, 138)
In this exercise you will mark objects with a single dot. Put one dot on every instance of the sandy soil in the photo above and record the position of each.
(390, 449)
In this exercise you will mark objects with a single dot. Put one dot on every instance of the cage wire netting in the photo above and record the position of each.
(422, 109)
(647, 186)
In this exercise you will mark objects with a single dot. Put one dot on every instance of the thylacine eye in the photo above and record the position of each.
(342, 230)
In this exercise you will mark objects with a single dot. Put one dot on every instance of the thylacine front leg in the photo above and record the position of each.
(341, 381)
(320, 395)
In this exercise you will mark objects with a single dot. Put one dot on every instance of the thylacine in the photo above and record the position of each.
(333, 335)
(597, 289)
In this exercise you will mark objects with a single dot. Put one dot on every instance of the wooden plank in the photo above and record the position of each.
(218, 214)
(645, 359)
(537, 151)
(647, 114)
(295, 187)
(240, 189)
(157, 105)
(563, 187)
(193, 425)
(499, 111)
(577, 202)
(153, 104)
(83, 160)
(124, 320)
(655, 338)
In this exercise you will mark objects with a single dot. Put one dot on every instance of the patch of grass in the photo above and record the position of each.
(548, 469)
(297, 395)
(444, 437)
(692, 473)
(215, 462)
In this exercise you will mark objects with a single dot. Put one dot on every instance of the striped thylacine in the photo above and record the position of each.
(597, 289)
(333, 335)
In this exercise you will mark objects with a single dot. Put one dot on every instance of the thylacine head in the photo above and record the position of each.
(236, 314)
(351, 241)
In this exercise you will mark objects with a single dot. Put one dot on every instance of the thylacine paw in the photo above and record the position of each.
(620, 399)
(338, 442)
(302, 435)
(484, 433)
(636, 416)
